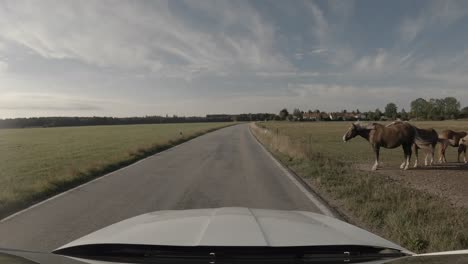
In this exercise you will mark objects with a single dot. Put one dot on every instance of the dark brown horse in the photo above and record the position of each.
(425, 139)
(399, 134)
(449, 138)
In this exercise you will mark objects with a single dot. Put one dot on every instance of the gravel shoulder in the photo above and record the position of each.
(448, 181)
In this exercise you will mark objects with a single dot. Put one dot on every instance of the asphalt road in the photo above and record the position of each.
(223, 168)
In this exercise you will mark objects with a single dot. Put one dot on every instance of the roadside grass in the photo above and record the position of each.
(411, 218)
(37, 163)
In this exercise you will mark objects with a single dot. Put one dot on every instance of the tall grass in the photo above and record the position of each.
(411, 218)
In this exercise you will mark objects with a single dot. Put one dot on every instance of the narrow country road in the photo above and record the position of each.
(223, 168)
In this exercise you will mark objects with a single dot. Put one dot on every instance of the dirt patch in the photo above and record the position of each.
(448, 181)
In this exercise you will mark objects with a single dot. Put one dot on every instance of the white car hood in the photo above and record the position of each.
(233, 226)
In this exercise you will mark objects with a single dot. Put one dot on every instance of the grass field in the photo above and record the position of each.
(39, 162)
(415, 219)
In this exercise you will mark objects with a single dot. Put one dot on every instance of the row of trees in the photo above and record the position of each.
(437, 109)
(95, 120)
(421, 109)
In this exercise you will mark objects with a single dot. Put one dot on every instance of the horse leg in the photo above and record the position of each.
(377, 154)
(464, 151)
(432, 149)
(461, 148)
(426, 156)
(402, 166)
(464, 154)
(408, 156)
(416, 148)
(443, 147)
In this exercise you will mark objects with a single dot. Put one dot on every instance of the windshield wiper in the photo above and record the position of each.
(197, 254)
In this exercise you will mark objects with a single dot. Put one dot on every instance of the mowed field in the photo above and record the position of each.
(39, 162)
(423, 209)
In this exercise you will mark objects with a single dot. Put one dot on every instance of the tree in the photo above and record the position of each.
(283, 114)
(435, 109)
(404, 114)
(377, 114)
(464, 112)
(451, 107)
(419, 108)
(297, 114)
(391, 110)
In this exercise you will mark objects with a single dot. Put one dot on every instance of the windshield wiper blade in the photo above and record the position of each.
(168, 254)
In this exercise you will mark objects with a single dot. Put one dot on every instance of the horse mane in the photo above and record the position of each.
(398, 121)
(366, 126)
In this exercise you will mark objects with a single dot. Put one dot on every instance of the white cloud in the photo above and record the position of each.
(299, 55)
(335, 97)
(411, 27)
(320, 27)
(318, 51)
(436, 14)
(133, 35)
(3, 66)
(383, 62)
(368, 64)
(283, 74)
(325, 33)
(452, 71)
(47, 101)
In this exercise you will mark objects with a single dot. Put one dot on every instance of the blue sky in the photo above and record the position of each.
(127, 58)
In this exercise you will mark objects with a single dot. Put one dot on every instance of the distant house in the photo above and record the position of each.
(312, 116)
(348, 116)
(334, 116)
(315, 116)
(340, 116)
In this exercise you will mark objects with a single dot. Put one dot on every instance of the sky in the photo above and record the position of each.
(137, 58)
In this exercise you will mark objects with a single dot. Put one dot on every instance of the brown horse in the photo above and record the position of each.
(462, 146)
(399, 134)
(425, 139)
(449, 138)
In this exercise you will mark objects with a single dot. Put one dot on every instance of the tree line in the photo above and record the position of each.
(96, 120)
(432, 109)
(421, 109)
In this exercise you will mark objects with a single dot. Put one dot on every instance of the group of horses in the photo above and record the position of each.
(402, 133)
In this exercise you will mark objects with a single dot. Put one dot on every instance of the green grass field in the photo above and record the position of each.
(39, 162)
(412, 218)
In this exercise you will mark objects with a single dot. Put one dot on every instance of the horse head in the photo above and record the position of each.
(351, 133)
(355, 129)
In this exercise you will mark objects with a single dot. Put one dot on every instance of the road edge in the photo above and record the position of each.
(98, 178)
(303, 186)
